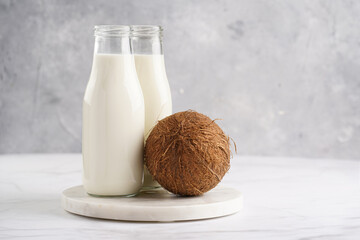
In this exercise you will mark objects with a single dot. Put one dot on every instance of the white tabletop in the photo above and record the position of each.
(284, 198)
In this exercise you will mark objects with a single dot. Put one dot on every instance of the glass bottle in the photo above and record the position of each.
(113, 117)
(149, 60)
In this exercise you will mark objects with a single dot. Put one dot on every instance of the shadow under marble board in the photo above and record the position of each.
(154, 205)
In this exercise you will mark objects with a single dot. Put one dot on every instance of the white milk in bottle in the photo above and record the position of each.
(150, 67)
(113, 118)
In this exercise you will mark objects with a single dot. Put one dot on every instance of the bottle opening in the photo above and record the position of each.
(146, 30)
(111, 30)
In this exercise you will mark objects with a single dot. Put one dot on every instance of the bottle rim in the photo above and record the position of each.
(146, 30)
(111, 30)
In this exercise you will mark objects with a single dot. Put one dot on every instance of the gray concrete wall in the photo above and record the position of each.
(283, 75)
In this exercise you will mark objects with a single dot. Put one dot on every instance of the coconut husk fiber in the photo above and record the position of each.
(187, 153)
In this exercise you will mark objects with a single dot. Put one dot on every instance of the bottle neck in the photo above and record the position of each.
(146, 39)
(112, 39)
(112, 45)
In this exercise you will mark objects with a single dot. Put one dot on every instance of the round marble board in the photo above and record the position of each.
(155, 205)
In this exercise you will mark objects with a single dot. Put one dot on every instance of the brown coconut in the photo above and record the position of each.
(187, 153)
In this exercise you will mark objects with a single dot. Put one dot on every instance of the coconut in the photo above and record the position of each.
(187, 153)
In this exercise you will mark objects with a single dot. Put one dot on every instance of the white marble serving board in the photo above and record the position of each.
(153, 205)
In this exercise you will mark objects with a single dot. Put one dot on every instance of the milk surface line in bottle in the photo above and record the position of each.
(113, 117)
(149, 60)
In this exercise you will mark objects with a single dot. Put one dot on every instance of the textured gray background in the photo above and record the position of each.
(283, 75)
